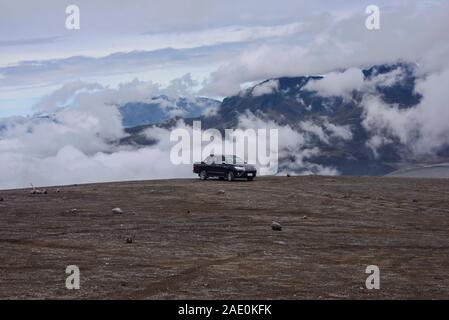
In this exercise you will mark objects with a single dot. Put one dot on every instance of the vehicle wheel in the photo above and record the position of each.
(250, 178)
(230, 176)
(203, 175)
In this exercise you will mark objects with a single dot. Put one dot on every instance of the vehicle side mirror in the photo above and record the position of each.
(223, 162)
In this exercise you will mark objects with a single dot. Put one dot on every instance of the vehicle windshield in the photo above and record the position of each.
(233, 160)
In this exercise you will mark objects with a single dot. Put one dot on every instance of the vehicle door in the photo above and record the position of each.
(216, 166)
(208, 165)
(221, 166)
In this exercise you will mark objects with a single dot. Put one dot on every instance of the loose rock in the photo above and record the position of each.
(276, 226)
(117, 211)
(221, 192)
(129, 240)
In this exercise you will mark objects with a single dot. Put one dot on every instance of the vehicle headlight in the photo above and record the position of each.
(240, 168)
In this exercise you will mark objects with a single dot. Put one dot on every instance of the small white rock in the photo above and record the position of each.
(117, 211)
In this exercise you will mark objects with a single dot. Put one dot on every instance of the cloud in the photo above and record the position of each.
(31, 41)
(61, 96)
(423, 128)
(239, 42)
(134, 91)
(267, 87)
(433, 111)
(228, 34)
(315, 129)
(48, 153)
(199, 50)
(338, 83)
(341, 132)
(39, 72)
(76, 138)
(295, 148)
(70, 165)
(88, 125)
(325, 130)
(408, 33)
(108, 21)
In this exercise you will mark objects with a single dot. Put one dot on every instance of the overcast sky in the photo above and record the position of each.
(223, 43)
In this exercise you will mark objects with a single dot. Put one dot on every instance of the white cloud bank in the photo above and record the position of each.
(408, 32)
(75, 140)
(296, 147)
(266, 87)
(338, 83)
(77, 143)
(423, 128)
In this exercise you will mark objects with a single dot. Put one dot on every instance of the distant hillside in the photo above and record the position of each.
(162, 108)
(424, 171)
(323, 119)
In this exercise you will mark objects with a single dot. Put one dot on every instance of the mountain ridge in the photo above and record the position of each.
(288, 101)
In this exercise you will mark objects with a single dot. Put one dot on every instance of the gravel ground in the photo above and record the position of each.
(212, 239)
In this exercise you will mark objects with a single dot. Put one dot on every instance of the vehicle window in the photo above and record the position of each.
(234, 160)
(209, 160)
(218, 159)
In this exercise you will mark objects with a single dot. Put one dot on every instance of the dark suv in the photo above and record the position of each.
(224, 167)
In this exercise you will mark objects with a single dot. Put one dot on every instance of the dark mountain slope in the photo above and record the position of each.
(292, 103)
